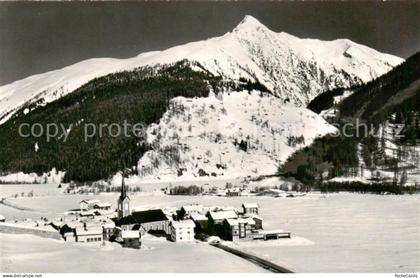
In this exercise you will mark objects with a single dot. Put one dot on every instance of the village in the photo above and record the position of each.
(152, 224)
(95, 221)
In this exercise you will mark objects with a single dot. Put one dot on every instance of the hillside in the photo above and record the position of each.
(394, 92)
(387, 151)
(140, 96)
(197, 125)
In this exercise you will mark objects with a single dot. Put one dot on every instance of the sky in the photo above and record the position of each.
(41, 36)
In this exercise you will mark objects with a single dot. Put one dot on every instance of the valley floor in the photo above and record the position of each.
(156, 255)
(330, 233)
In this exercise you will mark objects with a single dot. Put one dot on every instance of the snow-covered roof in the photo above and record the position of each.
(220, 215)
(90, 201)
(198, 217)
(253, 216)
(81, 231)
(130, 234)
(2, 217)
(183, 224)
(86, 213)
(265, 232)
(235, 222)
(250, 205)
(73, 224)
(109, 225)
(188, 208)
(103, 205)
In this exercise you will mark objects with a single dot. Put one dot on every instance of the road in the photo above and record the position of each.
(254, 259)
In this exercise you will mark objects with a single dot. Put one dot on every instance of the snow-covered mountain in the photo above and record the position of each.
(292, 68)
(229, 135)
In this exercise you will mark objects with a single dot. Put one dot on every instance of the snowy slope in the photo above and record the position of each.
(293, 68)
(195, 138)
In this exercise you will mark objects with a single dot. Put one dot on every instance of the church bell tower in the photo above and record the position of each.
(123, 201)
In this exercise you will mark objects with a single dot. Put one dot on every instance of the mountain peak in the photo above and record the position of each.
(249, 19)
(249, 22)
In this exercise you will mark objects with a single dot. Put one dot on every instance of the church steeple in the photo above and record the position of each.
(123, 191)
(123, 201)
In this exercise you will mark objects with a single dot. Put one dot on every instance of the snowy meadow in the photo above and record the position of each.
(330, 233)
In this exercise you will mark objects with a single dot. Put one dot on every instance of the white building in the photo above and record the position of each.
(190, 209)
(102, 206)
(251, 208)
(89, 234)
(182, 230)
(217, 217)
(69, 236)
(131, 239)
(88, 204)
(108, 229)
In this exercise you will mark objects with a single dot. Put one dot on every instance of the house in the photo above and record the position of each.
(216, 218)
(2, 218)
(89, 234)
(189, 209)
(88, 204)
(233, 192)
(239, 229)
(200, 221)
(182, 230)
(272, 192)
(69, 236)
(131, 239)
(258, 220)
(70, 216)
(149, 220)
(251, 208)
(67, 229)
(108, 230)
(87, 213)
(102, 206)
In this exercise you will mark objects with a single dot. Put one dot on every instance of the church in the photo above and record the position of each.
(123, 202)
(144, 221)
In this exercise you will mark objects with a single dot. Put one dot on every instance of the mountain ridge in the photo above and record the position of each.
(290, 67)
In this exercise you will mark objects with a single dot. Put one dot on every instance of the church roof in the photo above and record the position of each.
(128, 220)
(152, 215)
(145, 216)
